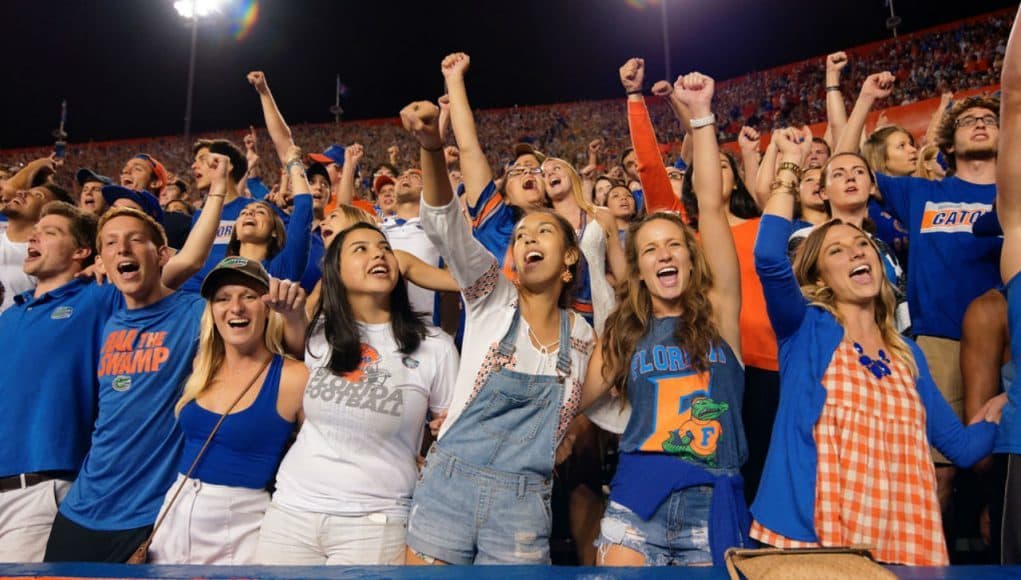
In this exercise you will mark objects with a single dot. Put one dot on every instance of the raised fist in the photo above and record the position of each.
(257, 79)
(220, 166)
(421, 119)
(455, 65)
(694, 90)
(250, 138)
(836, 61)
(662, 89)
(632, 74)
(878, 85)
(788, 142)
(353, 154)
(748, 139)
(595, 147)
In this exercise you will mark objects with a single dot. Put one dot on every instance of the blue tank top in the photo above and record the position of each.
(247, 449)
(679, 411)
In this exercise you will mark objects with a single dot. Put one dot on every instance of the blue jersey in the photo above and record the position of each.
(313, 269)
(145, 359)
(48, 376)
(228, 216)
(948, 266)
(1008, 436)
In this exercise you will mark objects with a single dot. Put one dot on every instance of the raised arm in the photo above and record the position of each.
(937, 118)
(763, 185)
(290, 263)
(748, 141)
(836, 112)
(279, 132)
(784, 302)
(474, 167)
(195, 252)
(1008, 167)
(421, 273)
(876, 86)
(651, 172)
(352, 155)
(695, 90)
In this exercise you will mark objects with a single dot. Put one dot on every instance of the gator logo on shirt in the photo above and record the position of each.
(365, 387)
(62, 313)
(951, 217)
(122, 383)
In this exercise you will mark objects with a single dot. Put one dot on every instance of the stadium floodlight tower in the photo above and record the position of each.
(194, 10)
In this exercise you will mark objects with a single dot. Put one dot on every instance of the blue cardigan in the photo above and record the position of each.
(808, 336)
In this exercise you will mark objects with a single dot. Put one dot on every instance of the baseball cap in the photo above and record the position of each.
(318, 168)
(381, 181)
(235, 269)
(145, 201)
(333, 154)
(527, 149)
(85, 175)
(157, 169)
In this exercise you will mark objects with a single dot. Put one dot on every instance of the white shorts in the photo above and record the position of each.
(305, 538)
(26, 516)
(209, 524)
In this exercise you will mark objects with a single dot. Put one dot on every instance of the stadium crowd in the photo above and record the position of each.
(482, 336)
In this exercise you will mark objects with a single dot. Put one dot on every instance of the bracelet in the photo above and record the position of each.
(832, 88)
(295, 162)
(789, 166)
(782, 183)
(700, 122)
(208, 195)
(635, 92)
(436, 150)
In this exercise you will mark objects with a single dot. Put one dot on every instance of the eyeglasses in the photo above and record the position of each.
(987, 121)
(519, 171)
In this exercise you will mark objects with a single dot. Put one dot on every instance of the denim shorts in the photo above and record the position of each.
(466, 514)
(676, 535)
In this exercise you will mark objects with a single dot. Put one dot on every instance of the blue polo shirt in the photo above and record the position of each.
(948, 266)
(145, 358)
(228, 216)
(48, 376)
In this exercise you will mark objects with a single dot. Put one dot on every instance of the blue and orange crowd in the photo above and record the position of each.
(532, 335)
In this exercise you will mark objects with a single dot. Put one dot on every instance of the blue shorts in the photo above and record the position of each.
(465, 514)
(676, 535)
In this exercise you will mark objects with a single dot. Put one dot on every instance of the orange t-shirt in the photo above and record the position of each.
(758, 342)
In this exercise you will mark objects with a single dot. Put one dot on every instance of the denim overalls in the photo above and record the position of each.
(484, 493)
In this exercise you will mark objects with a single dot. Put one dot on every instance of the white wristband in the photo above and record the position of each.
(703, 121)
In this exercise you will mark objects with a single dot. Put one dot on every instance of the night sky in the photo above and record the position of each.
(122, 65)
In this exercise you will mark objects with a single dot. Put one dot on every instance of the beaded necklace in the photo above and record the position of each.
(880, 368)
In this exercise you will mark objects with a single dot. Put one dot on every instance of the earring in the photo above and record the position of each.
(566, 276)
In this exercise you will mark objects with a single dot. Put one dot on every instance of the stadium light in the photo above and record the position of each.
(194, 10)
(202, 8)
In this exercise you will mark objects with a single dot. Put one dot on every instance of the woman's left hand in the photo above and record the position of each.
(285, 297)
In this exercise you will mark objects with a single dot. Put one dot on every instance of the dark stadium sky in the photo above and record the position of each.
(122, 64)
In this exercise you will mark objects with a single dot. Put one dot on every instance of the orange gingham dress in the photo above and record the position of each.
(875, 483)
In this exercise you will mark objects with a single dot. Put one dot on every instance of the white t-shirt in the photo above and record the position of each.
(490, 300)
(355, 453)
(13, 279)
(408, 236)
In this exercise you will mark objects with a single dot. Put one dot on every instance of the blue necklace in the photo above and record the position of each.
(880, 368)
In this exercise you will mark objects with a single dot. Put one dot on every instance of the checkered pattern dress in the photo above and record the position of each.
(875, 484)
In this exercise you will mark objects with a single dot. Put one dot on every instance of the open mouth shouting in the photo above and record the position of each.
(238, 322)
(862, 274)
(380, 270)
(128, 270)
(668, 277)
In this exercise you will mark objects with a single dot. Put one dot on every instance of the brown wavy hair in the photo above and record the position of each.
(948, 126)
(695, 332)
(806, 270)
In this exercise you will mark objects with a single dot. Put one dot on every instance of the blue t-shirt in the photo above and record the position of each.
(948, 266)
(890, 230)
(679, 411)
(313, 269)
(48, 376)
(1008, 437)
(145, 359)
(492, 221)
(290, 263)
(228, 216)
(249, 444)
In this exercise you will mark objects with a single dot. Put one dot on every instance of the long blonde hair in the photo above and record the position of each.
(211, 353)
(806, 270)
(696, 331)
(577, 191)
